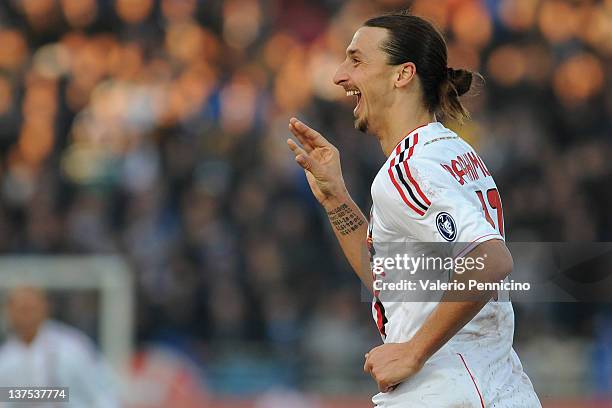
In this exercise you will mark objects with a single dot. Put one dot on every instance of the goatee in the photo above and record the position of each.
(361, 125)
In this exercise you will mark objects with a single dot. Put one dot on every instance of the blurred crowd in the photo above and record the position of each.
(157, 128)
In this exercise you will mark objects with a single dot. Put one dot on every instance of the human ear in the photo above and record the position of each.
(404, 74)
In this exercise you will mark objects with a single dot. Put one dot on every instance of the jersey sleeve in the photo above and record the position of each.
(426, 204)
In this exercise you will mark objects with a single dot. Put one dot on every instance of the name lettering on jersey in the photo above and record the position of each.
(466, 167)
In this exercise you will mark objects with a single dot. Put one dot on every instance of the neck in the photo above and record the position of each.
(401, 119)
(28, 336)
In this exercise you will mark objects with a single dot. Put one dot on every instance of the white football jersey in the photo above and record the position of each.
(434, 188)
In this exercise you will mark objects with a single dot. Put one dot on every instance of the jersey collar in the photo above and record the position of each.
(409, 140)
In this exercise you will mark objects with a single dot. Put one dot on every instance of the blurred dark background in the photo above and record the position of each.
(156, 129)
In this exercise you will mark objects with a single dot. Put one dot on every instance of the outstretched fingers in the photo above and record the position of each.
(301, 156)
(296, 149)
(305, 142)
(311, 136)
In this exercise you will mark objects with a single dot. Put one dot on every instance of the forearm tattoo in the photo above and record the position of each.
(345, 220)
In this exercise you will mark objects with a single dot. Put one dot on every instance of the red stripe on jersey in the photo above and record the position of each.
(412, 180)
(411, 150)
(414, 183)
(482, 404)
(399, 189)
(379, 319)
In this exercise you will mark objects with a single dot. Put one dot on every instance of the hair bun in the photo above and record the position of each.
(461, 80)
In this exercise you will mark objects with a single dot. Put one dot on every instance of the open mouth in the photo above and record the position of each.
(357, 93)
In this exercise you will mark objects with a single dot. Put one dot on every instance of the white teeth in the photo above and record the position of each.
(352, 92)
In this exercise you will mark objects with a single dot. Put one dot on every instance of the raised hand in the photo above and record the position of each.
(320, 161)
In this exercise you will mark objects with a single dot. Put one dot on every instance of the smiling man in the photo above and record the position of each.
(433, 188)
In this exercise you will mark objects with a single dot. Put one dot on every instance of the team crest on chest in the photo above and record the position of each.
(446, 226)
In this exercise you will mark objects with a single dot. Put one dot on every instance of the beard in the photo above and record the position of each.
(361, 125)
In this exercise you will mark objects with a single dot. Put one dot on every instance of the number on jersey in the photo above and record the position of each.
(495, 203)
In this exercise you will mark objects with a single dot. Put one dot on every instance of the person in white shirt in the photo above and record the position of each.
(433, 188)
(41, 352)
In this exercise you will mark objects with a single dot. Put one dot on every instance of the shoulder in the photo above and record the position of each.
(8, 348)
(435, 144)
(414, 171)
(69, 336)
(426, 148)
(420, 170)
(11, 358)
(442, 159)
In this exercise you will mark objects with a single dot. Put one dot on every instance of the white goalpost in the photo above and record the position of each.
(109, 275)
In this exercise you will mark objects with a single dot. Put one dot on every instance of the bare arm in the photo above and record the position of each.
(350, 227)
(457, 309)
(393, 363)
(321, 163)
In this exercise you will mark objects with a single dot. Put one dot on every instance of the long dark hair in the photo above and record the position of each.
(414, 39)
